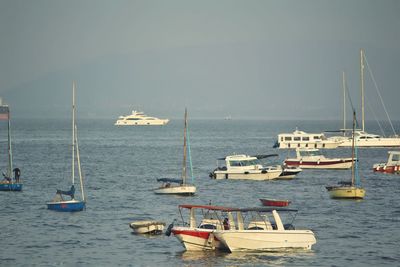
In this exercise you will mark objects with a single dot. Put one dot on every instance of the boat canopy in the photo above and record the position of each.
(208, 207)
(267, 209)
(169, 180)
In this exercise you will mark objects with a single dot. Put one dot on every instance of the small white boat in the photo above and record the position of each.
(245, 167)
(311, 158)
(138, 118)
(172, 186)
(258, 230)
(147, 227)
(391, 166)
(289, 172)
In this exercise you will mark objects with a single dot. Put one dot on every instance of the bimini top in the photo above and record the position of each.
(247, 157)
(208, 207)
(267, 209)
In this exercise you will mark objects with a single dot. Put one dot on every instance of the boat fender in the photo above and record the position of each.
(318, 162)
(169, 229)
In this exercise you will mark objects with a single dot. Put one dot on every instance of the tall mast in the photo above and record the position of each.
(79, 163)
(352, 150)
(184, 172)
(10, 163)
(344, 102)
(73, 132)
(362, 88)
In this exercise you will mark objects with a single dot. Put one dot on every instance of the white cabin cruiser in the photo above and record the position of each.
(311, 158)
(255, 231)
(245, 167)
(138, 118)
(300, 139)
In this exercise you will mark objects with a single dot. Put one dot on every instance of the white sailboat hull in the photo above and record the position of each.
(379, 142)
(176, 190)
(238, 240)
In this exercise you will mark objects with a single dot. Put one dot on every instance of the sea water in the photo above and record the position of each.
(120, 166)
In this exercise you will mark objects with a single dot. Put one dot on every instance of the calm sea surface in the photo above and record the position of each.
(121, 166)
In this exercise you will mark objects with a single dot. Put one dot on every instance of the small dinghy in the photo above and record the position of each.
(147, 227)
(275, 202)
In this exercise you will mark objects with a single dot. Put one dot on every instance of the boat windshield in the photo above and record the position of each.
(240, 163)
(309, 153)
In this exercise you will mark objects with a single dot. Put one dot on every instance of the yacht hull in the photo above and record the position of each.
(239, 240)
(375, 142)
(248, 175)
(320, 164)
(141, 123)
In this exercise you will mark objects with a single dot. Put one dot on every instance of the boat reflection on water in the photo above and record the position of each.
(210, 258)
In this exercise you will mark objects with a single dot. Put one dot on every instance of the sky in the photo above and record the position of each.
(274, 60)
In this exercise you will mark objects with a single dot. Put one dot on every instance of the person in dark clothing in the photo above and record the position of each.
(70, 193)
(17, 174)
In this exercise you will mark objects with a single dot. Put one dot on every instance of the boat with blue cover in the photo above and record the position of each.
(59, 203)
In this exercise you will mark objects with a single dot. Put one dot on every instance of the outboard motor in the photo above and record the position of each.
(169, 229)
(276, 145)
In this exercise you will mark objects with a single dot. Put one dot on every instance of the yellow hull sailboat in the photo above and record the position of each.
(353, 189)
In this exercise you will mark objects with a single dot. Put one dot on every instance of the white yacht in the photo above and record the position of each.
(300, 139)
(138, 118)
(245, 167)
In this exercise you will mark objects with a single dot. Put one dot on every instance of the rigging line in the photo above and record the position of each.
(376, 118)
(379, 94)
(189, 154)
(351, 102)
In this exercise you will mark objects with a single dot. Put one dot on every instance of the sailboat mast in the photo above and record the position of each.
(184, 172)
(73, 132)
(10, 163)
(362, 88)
(352, 150)
(344, 103)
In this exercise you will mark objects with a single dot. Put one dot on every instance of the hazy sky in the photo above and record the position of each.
(249, 59)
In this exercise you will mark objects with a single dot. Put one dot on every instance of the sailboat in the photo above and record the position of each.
(58, 203)
(179, 186)
(9, 183)
(363, 138)
(353, 189)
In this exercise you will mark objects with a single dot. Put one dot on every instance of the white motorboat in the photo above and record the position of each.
(138, 118)
(300, 139)
(245, 167)
(311, 158)
(180, 186)
(147, 227)
(391, 166)
(194, 236)
(255, 231)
